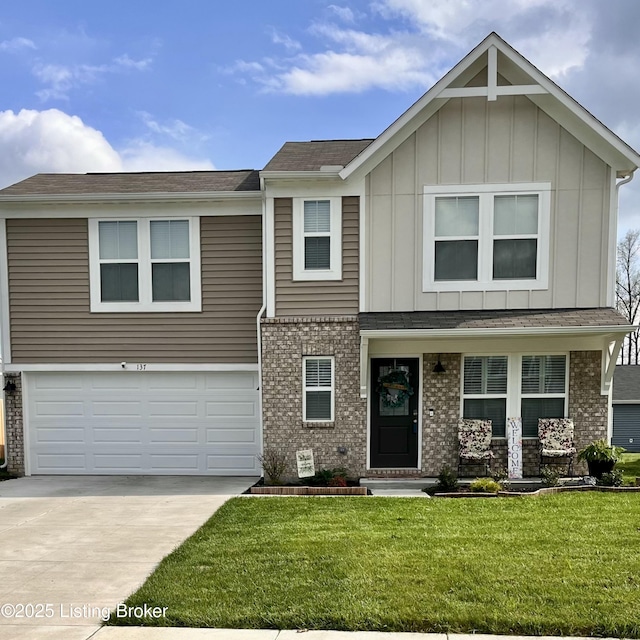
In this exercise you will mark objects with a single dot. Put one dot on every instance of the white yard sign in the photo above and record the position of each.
(514, 448)
(306, 467)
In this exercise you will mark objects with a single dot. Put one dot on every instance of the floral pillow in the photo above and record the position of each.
(556, 437)
(474, 437)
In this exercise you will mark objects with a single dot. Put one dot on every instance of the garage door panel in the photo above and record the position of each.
(61, 434)
(122, 408)
(247, 435)
(222, 463)
(119, 435)
(172, 435)
(61, 463)
(175, 409)
(177, 462)
(161, 423)
(231, 409)
(130, 462)
(59, 408)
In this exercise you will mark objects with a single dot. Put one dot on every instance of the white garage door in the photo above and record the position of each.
(143, 423)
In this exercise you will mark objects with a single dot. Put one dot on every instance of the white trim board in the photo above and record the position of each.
(129, 367)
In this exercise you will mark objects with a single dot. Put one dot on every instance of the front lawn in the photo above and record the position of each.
(565, 564)
(630, 465)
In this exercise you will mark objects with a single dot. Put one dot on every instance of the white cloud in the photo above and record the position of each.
(52, 141)
(16, 44)
(176, 129)
(332, 72)
(141, 155)
(286, 41)
(129, 63)
(343, 13)
(422, 40)
(60, 79)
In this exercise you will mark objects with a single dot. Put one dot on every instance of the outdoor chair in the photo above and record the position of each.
(556, 441)
(474, 437)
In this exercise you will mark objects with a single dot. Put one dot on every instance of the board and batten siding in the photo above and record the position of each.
(50, 312)
(317, 298)
(473, 141)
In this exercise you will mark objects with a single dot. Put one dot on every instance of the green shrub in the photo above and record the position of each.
(485, 485)
(550, 476)
(600, 451)
(613, 479)
(447, 480)
(501, 476)
(328, 478)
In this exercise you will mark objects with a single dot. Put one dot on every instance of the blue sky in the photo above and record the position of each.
(111, 86)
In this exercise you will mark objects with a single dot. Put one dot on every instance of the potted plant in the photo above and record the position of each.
(600, 457)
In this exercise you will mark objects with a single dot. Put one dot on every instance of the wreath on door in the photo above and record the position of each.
(394, 388)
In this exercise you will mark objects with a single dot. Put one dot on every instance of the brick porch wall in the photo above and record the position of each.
(285, 341)
(588, 408)
(14, 426)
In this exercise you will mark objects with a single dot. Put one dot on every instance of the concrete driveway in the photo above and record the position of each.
(73, 546)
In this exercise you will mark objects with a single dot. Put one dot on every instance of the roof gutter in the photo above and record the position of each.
(495, 332)
(323, 174)
(209, 196)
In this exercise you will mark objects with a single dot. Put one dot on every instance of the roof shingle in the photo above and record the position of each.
(626, 382)
(311, 156)
(492, 319)
(148, 182)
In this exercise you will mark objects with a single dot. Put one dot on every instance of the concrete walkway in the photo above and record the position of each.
(137, 633)
(73, 547)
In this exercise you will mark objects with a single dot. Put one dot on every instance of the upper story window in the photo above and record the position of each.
(486, 237)
(145, 265)
(317, 239)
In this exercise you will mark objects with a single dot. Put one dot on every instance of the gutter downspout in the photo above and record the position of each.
(3, 466)
(263, 308)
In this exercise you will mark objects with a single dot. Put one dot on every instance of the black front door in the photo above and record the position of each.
(395, 388)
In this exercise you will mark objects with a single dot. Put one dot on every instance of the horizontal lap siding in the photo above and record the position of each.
(49, 299)
(316, 298)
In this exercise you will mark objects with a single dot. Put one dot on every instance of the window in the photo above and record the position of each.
(486, 237)
(317, 239)
(145, 265)
(318, 389)
(485, 390)
(543, 391)
(530, 386)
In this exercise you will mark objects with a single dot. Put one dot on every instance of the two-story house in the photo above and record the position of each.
(355, 297)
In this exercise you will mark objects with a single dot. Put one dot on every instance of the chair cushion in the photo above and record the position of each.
(474, 437)
(556, 434)
(558, 453)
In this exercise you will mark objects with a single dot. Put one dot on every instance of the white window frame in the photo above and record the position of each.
(514, 382)
(486, 194)
(145, 302)
(485, 396)
(564, 395)
(305, 388)
(335, 270)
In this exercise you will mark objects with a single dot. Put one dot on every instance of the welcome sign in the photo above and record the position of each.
(514, 448)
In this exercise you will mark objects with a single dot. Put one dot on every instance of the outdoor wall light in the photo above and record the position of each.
(439, 368)
(342, 450)
(10, 387)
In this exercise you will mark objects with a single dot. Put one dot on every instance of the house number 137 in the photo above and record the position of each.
(141, 367)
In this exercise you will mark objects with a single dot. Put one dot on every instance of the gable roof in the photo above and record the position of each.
(55, 184)
(315, 154)
(499, 57)
(626, 382)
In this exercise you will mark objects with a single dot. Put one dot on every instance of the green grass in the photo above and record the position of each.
(565, 564)
(630, 465)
